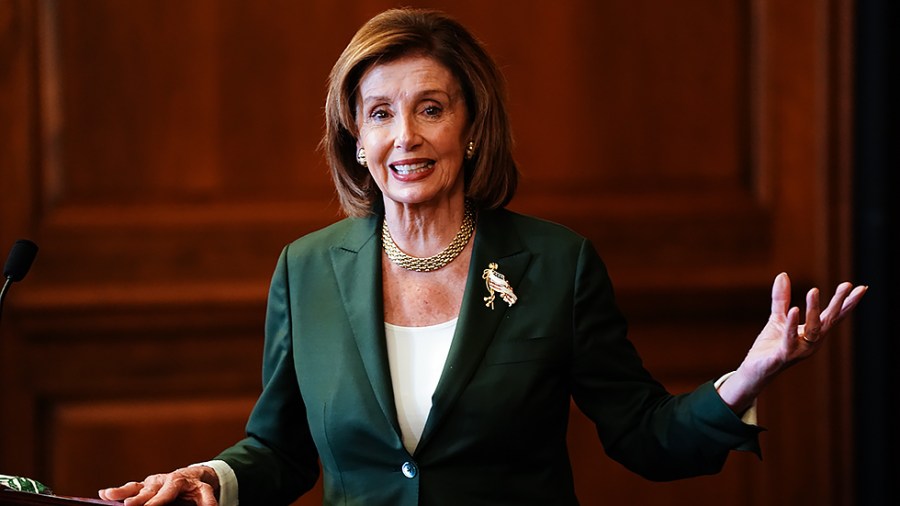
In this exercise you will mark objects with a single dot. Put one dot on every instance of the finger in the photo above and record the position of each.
(119, 493)
(207, 496)
(168, 492)
(182, 491)
(852, 300)
(832, 313)
(798, 333)
(792, 322)
(812, 325)
(843, 302)
(147, 492)
(781, 294)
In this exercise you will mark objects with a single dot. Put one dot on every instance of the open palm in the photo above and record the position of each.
(784, 340)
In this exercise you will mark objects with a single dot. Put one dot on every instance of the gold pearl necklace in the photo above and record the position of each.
(438, 260)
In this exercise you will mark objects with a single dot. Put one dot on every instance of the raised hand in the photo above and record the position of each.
(784, 340)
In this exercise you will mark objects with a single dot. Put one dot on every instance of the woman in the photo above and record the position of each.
(425, 350)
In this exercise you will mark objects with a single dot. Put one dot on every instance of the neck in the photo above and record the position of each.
(423, 230)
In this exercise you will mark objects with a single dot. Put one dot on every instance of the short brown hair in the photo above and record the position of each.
(491, 175)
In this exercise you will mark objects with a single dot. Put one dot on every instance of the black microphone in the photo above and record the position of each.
(18, 262)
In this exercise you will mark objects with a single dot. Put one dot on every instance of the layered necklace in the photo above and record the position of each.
(438, 260)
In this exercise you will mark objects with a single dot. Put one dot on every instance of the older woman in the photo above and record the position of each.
(425, 350)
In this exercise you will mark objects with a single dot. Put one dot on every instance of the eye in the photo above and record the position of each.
(379, 114)
(432, 110)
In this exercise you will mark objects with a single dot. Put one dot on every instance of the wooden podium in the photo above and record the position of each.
(10, 497)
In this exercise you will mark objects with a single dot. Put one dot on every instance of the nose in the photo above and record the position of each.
(406, 136)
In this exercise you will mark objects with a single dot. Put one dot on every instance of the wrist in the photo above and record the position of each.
(740, 389)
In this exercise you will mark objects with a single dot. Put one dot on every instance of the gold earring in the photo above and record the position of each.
(361, 157)
(470, 150)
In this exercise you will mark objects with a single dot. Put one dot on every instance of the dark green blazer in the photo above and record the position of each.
(496, 434)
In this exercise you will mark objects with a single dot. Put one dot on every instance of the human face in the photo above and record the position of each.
(412, 122)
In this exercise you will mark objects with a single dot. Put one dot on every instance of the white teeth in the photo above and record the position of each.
(405, 169)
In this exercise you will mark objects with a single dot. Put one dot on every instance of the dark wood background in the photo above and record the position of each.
(162, 152)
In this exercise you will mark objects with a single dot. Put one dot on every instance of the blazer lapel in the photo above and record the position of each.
(357, 268)
(477, 323)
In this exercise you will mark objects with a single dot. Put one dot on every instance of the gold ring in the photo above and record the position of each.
(808, 340)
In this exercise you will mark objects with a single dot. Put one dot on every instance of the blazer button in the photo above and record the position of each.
(409, 470)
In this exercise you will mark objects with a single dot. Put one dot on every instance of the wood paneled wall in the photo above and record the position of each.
(162, 152)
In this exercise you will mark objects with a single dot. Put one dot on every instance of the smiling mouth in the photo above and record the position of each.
(405, 169)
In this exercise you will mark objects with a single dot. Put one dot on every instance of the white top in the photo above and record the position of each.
(416, 356)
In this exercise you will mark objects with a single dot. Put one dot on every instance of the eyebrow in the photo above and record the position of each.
(418, 95)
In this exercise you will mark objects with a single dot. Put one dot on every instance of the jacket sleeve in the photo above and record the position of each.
(642, 426)
(277, 461)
